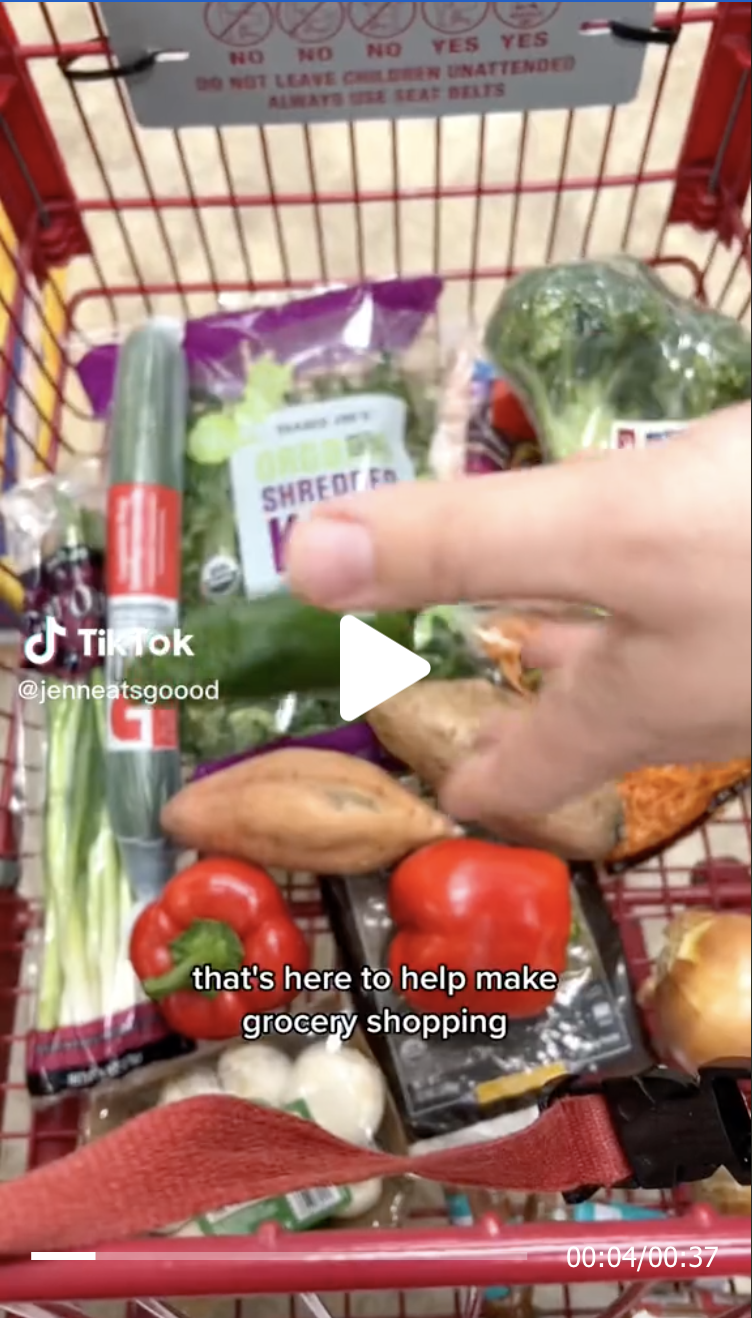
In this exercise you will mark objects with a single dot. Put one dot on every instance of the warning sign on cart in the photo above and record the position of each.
(215, 64)
(239, 25)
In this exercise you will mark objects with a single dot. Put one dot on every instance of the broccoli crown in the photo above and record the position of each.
(595, 342)
(717, 364)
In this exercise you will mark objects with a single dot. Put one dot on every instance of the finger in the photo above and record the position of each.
(554, 533)
(589, 455)
(555, 644)
(515, 772)
(570, 742)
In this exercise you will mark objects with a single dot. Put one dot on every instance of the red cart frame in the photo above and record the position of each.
(54, 241)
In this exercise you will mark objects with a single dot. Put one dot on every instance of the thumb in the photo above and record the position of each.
(554, 533)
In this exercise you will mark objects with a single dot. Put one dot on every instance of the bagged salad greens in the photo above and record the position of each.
(92, 1021)
(604, 355)
(289, 406)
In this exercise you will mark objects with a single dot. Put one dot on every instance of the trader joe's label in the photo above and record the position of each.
(303, 456)
(219, 64)
(642, 434)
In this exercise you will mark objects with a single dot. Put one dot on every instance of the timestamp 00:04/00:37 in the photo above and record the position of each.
(649, 1256)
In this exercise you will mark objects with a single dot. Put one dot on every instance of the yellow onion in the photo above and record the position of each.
(700, 991)
(723, 1193)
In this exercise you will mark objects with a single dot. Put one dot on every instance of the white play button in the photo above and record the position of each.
(372, 669)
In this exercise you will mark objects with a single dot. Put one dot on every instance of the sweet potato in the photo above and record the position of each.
(304, 810)
(581, 830)
(432, 727)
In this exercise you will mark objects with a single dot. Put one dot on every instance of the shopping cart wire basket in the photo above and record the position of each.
(105, 222)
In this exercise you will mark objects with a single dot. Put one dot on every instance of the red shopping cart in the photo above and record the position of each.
(106, 223)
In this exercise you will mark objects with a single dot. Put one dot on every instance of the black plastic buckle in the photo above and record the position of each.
(645, 36)
(673, 1129)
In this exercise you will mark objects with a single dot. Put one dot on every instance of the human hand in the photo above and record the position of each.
(660, 539)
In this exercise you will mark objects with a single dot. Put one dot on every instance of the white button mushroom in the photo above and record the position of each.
(196, 1083)
(364, 1199)
(255, 1072)
(344, 1092)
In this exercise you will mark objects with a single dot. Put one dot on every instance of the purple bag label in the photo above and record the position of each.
(312, 333)
(69, 589)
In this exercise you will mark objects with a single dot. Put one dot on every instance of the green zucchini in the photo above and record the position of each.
(260, 649)
(147, 455)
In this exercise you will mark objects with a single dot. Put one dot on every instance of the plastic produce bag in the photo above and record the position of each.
(290, 406)
(604, 355)
(146, 458)
(652, 808)
(54, 543)
(55, 534)
(445, 1085)
(482, 427)
(92, 1022)
(337, 1085)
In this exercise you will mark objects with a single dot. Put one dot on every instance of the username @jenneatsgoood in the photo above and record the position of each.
(34, 689)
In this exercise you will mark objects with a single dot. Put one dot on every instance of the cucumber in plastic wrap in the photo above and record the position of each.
(144, 517)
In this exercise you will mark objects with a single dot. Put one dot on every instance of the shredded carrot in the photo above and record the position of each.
(503, 638)
(660, 804)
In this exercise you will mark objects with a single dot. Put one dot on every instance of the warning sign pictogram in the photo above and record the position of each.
(239, 25)
(382, 20)
(526, 17)
(454, 18)
(311, 22)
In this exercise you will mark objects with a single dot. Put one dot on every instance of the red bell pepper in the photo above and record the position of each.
(474, 906)
(221, 914)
